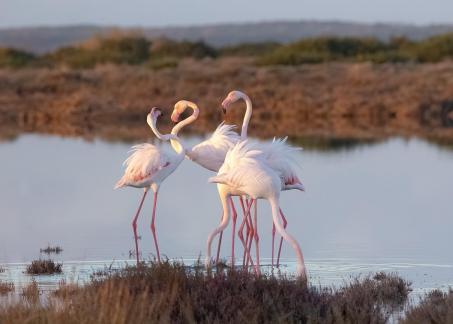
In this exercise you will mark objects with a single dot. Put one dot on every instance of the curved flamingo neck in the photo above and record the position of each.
(183, 123)
(247, 116)
(167, 137)
(188, 120)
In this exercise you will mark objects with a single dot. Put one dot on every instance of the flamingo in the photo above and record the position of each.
(210, 154)
(246, 172)
(147, 167)
(279, 156)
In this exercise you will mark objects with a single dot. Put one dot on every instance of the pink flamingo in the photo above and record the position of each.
(278, 155)
(147, 167)
(210, 153)
(246, 172)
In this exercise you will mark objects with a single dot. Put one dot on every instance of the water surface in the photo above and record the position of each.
(384, 206)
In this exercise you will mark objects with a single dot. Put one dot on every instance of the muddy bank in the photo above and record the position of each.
(346, 101)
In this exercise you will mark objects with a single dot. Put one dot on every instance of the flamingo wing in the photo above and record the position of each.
(242, 153)
(144, 162)
(245, 170)
(211, 152)
(281, 157)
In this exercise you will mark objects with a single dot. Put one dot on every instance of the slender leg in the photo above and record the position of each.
(220, 243)
(281, 239)
(134, 225)
(217, 230)
(257, 238)
(153, 227)
(233, 233)
(300, 269)
(247, 233)
(273, 242)
(250, 234)
(241, 227)
(245, 222)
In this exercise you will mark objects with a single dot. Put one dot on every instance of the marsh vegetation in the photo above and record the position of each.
(173, 292)
(47, 266)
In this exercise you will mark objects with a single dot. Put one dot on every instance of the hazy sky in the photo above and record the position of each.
(14, 13)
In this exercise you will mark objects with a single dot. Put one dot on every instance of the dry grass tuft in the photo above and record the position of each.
(44, 267)
(31, 292)
(436, 307)
(6, 287)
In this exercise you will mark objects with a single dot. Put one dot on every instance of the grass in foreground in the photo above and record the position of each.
(171, 292)
(44, 267)
(6, 287)
(31, 292)
(436, 307)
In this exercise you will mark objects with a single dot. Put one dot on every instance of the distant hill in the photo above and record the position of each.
(43, 39)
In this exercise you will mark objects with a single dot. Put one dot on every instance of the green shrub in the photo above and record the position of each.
(74, 57)
(168, 48)
(324, 49)
(249, 49)
(123, 50)
(162, 63)
(435, 49)
(115, 50)
(13, 58)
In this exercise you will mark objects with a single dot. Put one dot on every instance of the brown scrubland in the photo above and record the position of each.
(174, 293)
(351, 101)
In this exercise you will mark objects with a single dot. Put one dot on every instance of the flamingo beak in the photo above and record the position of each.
(225, 105)
(175, 116)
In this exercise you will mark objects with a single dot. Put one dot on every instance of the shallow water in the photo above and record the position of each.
(384, 206)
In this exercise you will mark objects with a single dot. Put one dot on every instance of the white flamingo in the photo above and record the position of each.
(210, 154)
(278, 155)
(147, 167)
(246, 172)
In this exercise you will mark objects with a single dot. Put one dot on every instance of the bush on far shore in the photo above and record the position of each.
(134, 49)
(14, 58)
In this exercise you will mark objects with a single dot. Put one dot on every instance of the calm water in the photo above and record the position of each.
(384, 206)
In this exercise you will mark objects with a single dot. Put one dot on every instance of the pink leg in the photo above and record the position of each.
(257, 239)
(233, 233)
(153, 227)
(134, 225)
(220, 243)
(241, 227)
(273, 242)
(281, 239)
(241, 231)
(250, 235)
(248, 231)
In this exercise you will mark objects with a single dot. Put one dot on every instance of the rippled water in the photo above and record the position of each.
(368, 208)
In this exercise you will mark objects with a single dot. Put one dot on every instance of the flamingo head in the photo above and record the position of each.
(232, 97)
(179, 108)
(155, 113)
